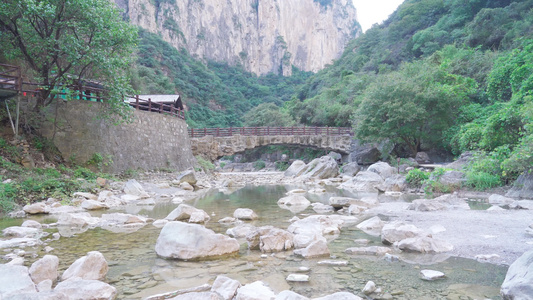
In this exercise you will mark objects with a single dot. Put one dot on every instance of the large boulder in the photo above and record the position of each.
(315, 249)
(82, 219)
(363, 181)
(461, 162)
(36, 208)
(14, 280)
(44, 269)
(424, 244)
(397, 231)
(350, 169)
(270, 239)
(372, 226)
(192, 241)
(21, 232)
(93, 266)
(422, 158)
(93, 205)
(132, 187)
(297, 201)
(187, 176)
(394, 183)
(81, 289)
(518, 283)
(452, 180)
(188, 213)
(321, 168)
(296, 169)
(383, 169)
(522, 187)
(364, 154)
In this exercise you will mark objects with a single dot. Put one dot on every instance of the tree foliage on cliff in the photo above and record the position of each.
(65, 41)
(216, 94)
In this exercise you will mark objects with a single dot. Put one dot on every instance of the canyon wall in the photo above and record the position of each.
(262, 35)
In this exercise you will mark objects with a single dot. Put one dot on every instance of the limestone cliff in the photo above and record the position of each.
(262, 35)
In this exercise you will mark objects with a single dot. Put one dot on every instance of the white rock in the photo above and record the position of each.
(431, 275)
(21, 232)
(186, 186)
(372, 226)
(298, 278)
(296, 191)
(397, 231)
(44, 269)
(371, 250)
(133, 187)
(160, 223)
(19, 243)
(244, 214)
(36, 208)
(93, 266)
(225, 287)
(369, 288)
(184, 212)
(425, 245)
(191, 241)
(518, 283)
(499, 200)
(333, 262)
(44, 286)
(86, 289)
(314, 249)
(77, 219)
(240, 231)
(84, 195)
(255, 291)
(321, 208)
(290, 295)
(14, 280)
(270, 239)
(31, 224)
(93, 205)
(340, 296)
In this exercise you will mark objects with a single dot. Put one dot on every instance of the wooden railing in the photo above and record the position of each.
(149, 105)
(10, 78)
(266, 131)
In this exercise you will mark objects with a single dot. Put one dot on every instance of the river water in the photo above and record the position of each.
(137, 272)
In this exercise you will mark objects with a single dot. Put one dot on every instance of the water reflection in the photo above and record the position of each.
(137, 272)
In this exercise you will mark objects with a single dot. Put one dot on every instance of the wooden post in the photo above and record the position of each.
(327, 130)
(149, 104)
(268, 130)
(231, 131)
(137, 102)
(192, 132)
(205, 131)
(218, 132)
(161, 108)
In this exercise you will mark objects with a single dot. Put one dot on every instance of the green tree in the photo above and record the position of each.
(267, 114)
(411, 106)
(66, 41)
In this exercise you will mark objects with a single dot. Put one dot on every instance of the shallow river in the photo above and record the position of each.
(137, 272)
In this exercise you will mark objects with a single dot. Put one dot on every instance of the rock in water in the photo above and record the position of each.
(192, 241)
(90, 267)
(518, 283)
(431, 275)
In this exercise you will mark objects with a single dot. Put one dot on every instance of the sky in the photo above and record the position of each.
(370, 12)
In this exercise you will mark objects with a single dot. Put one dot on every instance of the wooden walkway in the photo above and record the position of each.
(270, 131)
(12, 84)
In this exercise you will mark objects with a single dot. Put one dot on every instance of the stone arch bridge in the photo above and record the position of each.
(214, 143)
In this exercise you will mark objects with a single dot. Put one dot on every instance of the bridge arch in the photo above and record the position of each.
(230, 141)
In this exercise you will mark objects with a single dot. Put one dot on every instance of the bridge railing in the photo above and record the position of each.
(268, 131)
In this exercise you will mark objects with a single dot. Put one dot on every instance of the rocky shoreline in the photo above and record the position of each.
(425, 230)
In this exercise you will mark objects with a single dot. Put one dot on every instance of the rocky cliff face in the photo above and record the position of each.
(262, 35)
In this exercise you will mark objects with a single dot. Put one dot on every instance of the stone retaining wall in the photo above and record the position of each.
(150, 142)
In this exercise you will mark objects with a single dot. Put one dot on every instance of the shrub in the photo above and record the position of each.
(482, 180)
(282, 165)
(205, 164)
(416, 177)
(84, 173)
(259, 165)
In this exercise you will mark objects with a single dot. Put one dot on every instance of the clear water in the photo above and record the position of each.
(137, 272)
